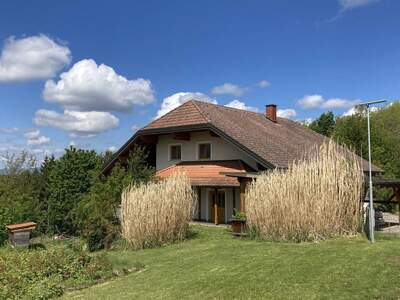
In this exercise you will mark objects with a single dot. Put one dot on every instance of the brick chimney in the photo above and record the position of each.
(270, 112)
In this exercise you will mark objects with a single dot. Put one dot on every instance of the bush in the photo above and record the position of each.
(157, 213)
(315, 198)
(44, 274)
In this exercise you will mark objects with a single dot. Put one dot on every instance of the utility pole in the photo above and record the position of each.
(371, 197)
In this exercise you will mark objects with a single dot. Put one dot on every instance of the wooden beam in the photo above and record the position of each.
(184, 136)
(199, 196)
(233, 199)
(243, 185)
(397, 193)
(148, 139)
(215, 207)
(213, 134)
(381, 201)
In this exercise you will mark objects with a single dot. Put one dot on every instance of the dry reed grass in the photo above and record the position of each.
(157, 213)
(316, 198)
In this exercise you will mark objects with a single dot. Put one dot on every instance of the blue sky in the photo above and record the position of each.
(90, 72)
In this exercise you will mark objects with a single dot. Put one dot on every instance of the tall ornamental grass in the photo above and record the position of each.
(316, 198)
(157, 213)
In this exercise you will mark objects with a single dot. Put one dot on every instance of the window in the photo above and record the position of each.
(204, 151)
(175, 152)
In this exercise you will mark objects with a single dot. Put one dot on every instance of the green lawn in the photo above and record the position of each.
(214, 265)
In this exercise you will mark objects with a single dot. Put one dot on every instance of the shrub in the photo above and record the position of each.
(157, 213)
(44, 274)
(315, 198)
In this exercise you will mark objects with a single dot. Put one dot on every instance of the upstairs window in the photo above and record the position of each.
(175, 152)
(204, 151)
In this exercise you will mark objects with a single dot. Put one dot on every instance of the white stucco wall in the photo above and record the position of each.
(220, 149)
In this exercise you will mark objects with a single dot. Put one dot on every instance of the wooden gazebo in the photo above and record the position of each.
(393, 184)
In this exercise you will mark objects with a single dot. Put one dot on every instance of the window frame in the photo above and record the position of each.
(169, 152)
(198, 150)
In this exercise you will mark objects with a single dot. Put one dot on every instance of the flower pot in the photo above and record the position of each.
(238, 227)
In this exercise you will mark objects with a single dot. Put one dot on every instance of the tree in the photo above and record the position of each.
(45, 170)
(324, 124)
(19, 191)
(68, 181)
(97, 213)
(352, 132)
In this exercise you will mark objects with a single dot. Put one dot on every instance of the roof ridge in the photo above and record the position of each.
(198, 108)
(172, 110)
(229, 108)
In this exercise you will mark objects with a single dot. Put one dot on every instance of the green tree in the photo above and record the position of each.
(45, 170)
(68, 181)
(98, 213)
(385, 136)
(19, 191)
(324, 124)
(352, 131)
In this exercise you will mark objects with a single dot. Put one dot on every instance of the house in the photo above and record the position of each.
(220, 149)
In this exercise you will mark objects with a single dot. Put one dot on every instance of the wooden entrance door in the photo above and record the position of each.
(217, 206)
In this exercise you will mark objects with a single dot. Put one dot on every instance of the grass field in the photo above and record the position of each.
(214, 265)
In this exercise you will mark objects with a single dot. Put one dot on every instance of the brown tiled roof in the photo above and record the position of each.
(277, 144)
(184, 115)
(208, 173)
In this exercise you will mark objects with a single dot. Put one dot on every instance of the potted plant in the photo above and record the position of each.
(238, 222)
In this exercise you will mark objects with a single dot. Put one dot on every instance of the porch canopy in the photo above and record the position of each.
(208, 173)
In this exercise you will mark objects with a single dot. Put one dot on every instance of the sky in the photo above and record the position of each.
(90, 73)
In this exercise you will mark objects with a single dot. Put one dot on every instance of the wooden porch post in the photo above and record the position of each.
(397, 193)
(215, 206)
(243, 185)
(199, 201)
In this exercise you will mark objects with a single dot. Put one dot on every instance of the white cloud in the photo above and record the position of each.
(33, 138)
(286, 113)
(38, 141)
(135, 127)
(91, 87)
(241, 105)
(355, 109)
(307, 121)
(311, 101)
(13, 130)
(229, 88)
(177, 99)
(32, 134)
(30, 58)
(112, 149)
(77, 123)
(351, 4)
(350, 112)
(264, 84)
(318, 101)
(339, 103)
